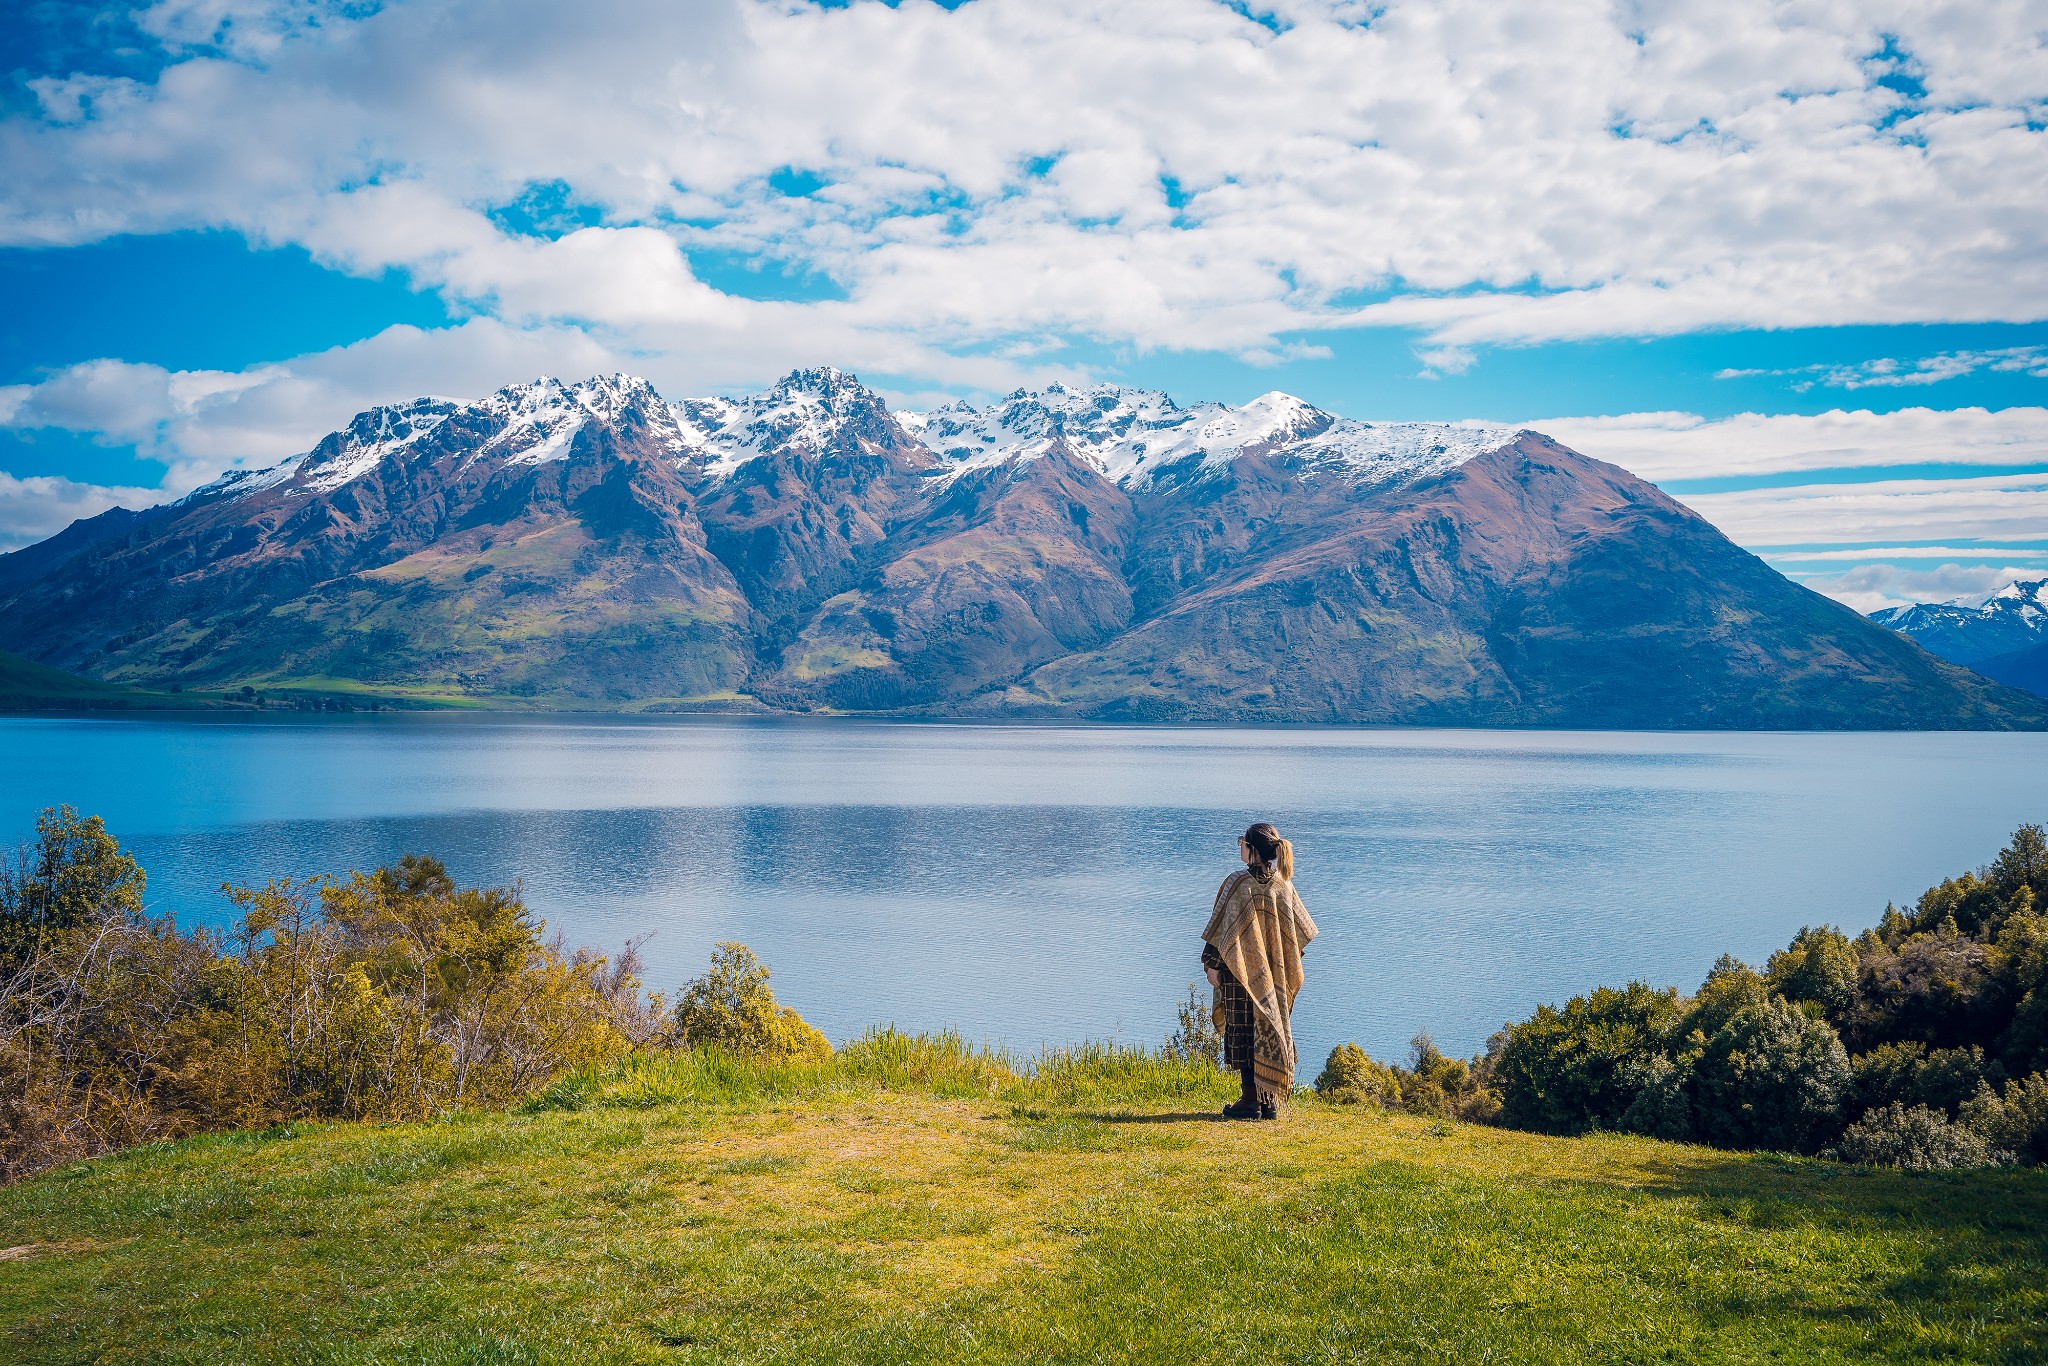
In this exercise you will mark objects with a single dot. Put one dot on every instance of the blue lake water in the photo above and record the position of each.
(1028, 885)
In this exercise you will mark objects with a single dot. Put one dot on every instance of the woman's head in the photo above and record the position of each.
(1264, 845)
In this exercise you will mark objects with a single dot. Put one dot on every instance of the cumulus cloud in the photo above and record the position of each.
(979, 188)
(40, 506)
(1445, 360)
(201, 423)
(1177, 174)
(1867, 587)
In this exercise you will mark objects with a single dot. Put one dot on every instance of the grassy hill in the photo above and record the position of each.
(28, 686)
(684, 1208)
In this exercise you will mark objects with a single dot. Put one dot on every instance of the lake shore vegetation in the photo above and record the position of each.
(1921, 1042)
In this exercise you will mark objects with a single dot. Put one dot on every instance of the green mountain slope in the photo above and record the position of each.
(28, 686)
(765, 1224)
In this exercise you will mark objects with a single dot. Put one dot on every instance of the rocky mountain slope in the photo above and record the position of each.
(1098, 553)
(2002, 635)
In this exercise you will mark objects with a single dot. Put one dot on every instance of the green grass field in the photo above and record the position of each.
(28, 686)
(678, 1209)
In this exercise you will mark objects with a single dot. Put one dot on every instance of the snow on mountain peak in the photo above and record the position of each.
(806, 410)
(1130, 435)
(2025, 596)
(362, 445)
(1135, 435)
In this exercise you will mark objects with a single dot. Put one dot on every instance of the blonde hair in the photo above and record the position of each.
(1266, 842)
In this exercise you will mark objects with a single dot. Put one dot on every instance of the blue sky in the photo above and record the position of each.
(1792, 266)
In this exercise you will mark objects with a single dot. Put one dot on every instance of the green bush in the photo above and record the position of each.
(731, 1007)
(1661, 1106)
(1914, 1137)
(1567, 1071)
(1941, 1079)
(1771, 1077)
(1196, 1036)
(1431, 1084)
(1936, 987)
(74, 874)
(2016, 1121)
(1818, 966)
(1352, 1077)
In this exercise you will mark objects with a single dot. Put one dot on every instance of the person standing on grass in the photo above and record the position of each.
(1252, 953)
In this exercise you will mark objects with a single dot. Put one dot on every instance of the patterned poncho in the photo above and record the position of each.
(1259, 927)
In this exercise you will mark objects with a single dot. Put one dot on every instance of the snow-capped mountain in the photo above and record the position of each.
(1133, 437)
(1974, 628)
(1093, 552)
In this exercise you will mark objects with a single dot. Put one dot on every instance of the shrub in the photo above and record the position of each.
(1432, 1084)
(1196, 1038)
(2016, 1121)
(1936, 987)
(1352, 1077)
(1567, 1071)
(74, 874)
(392, 994)
(1732, 987)
(1819, 966)
(2022, 865)
(1660, 1107)
(1941, 1079)
(1914, 1137)
(1771, 1077)
(731, 1007)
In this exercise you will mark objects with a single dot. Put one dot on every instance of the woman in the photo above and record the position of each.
(1252, 950)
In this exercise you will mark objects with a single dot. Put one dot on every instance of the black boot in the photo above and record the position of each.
(1246, 1106)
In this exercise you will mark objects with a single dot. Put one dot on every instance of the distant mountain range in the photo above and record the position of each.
(2002, 635)
(1089, 553)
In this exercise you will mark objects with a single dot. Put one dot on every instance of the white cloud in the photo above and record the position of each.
(1677, 446)
(1868, 587)
(1445, 360)
(1857, 523)
(1889, 372)
(1991, 507)
(204, 422)
(1889, 553)
(1001, 172)
(40, 506)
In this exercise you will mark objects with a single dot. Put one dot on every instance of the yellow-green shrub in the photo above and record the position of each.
(1352, 1077)
(731, 1007)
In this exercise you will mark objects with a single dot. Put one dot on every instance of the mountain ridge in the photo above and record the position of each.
(1995, 630)
(1095, 553)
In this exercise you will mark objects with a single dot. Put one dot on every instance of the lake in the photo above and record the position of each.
(1030, 885)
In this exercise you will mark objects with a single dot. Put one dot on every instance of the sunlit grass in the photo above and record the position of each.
(920, 1198)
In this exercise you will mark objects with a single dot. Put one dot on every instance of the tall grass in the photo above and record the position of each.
(886, 1060)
